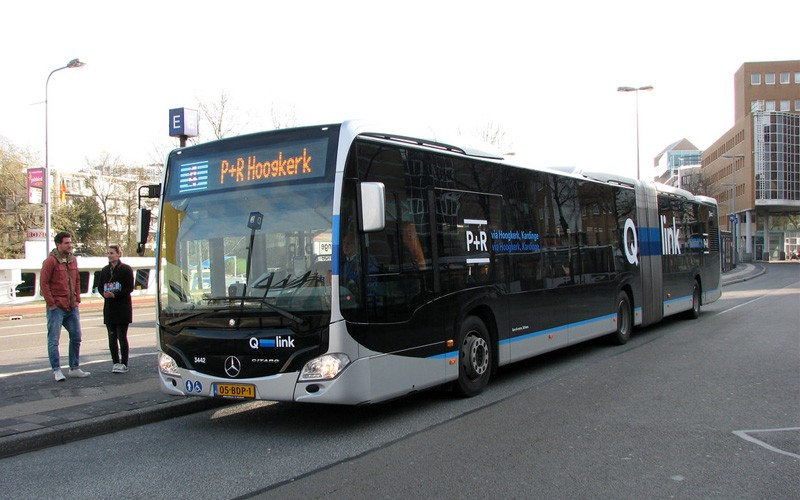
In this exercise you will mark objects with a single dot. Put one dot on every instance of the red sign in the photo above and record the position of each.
(35, 185)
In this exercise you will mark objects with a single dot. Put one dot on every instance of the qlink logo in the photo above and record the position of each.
(631, 242)
(670, 237)
(271, 343)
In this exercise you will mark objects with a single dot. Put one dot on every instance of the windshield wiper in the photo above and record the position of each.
(199, 314)
(283, 312)
(182, 294)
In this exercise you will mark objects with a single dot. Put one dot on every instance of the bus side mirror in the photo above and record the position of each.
(372, 202)
(142, 230)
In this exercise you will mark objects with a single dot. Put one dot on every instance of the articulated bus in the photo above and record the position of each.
(351, 264)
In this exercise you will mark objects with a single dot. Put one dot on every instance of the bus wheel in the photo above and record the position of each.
(624, 320)
(694, 312)
(475, 357)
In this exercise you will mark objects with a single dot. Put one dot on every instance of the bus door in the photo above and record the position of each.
(467, 263)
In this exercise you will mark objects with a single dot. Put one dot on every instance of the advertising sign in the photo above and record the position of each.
(35, 185)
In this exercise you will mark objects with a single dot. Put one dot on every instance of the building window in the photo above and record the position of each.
(755, 79)
(770, 106)
(797, 104)
(785, 105)
(769, 78)
(784, 78)
(797, 77)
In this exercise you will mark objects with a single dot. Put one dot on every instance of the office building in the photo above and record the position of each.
(753, 170)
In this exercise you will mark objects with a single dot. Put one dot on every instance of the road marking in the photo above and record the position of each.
(747, 437)
(768, 294)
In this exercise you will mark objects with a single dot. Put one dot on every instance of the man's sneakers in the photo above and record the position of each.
(77, 373)
(119, 368)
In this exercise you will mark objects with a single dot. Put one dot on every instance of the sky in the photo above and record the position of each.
(546, 75)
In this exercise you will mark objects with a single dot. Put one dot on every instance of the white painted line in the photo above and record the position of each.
(747, 437)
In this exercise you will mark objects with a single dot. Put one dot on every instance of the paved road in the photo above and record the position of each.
(38, 413)
(671, 414)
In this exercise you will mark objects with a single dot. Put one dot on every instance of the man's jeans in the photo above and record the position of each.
(72, 322)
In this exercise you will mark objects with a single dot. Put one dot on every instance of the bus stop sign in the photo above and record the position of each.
(183, 122)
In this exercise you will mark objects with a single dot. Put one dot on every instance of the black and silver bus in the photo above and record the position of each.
(352, 264)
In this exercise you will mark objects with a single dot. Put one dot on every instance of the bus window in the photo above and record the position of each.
(142, 278)
(28, 286)
(84, 276)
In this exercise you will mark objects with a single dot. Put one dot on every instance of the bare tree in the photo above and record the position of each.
(103, 174)
(129, 202)
(285, 118)
(702, 184)
(222, 116)
(494, 134)
(16, 214)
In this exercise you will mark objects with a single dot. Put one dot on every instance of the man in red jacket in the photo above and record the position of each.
(61, 289)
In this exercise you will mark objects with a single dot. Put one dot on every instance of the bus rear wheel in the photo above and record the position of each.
(474, 357)
(694, 312)
(624, 320)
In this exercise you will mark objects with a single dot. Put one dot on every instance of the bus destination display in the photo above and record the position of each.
(249, 167)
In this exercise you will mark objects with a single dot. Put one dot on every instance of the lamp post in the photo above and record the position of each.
(636, 90)
(732, 219)
(75, 63)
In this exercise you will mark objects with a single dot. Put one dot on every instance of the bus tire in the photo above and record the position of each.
(474, 357)
(694, 312)
(624, 320)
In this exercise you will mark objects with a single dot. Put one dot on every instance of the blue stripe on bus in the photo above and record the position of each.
(536, 334)
(557, 329)
(335, 243)
(649, 241)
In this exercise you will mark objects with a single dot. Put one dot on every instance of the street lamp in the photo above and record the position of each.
(75, 63)
(636, 89)
(732, 219)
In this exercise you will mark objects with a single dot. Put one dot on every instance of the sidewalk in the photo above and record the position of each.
(742, 272)
(36, 412)
(36, 309)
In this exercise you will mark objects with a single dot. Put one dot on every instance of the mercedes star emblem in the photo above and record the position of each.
(233, 366)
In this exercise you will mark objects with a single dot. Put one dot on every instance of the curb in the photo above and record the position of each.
(760, 270)
(97, 426)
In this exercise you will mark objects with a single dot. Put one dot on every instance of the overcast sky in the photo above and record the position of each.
(545, 73)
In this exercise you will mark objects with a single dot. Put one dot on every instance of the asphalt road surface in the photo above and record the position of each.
(708, 408)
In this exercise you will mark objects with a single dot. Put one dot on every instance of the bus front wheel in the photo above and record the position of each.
(474, 357)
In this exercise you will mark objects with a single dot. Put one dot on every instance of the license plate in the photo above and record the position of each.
(242, 391)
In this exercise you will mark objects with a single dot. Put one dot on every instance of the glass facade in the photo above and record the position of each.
(679, 159)
(777, 157)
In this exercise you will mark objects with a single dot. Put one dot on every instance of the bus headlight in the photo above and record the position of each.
(167, 365)
(324, 367)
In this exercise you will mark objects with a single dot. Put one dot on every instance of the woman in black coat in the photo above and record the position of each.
(116, 280)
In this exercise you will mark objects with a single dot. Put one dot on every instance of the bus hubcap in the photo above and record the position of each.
(477, 356)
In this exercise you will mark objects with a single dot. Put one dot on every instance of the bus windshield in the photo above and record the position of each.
(246, 229)
(208, 263)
